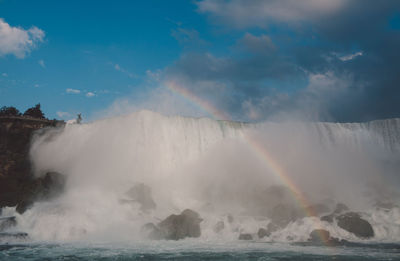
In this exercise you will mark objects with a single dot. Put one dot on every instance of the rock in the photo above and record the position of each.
(219, 226)
(322, 236)
(350, 221)
(24, 205)
(245, 236)
(176, 227)
(230, 218)
(262, 232)
(319, 235)
(44, 188)
(353, 223)
(141, 194)
(271, 228)
(17, 182)
(7, 222)
(53, 184)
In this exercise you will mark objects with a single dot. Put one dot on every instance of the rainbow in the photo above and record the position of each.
(203, 105)
(261, 151)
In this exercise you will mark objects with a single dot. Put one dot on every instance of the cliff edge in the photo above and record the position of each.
(18, 186)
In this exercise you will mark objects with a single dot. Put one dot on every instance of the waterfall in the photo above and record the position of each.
(207, 165)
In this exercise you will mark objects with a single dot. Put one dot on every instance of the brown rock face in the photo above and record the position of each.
(17, 184)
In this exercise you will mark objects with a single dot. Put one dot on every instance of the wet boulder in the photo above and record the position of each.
(245, 236)
(262, 232)
(319, 235)
(353, 223)
(141, 194)
(322, 236)
(350, 221)
(175, 227)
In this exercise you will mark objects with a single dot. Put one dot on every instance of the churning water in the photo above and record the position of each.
(227, 172)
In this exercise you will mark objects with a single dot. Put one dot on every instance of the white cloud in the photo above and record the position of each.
(153, 75)
(36, 85)
(41, 63)
(18, 41)
(72, 91)
(188, 37)
(243, 13)
(349, 57)
(4, 74)
(90, 94)
(117, 67)
(315, 101)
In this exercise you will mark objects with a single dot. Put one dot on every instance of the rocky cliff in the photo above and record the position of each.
(18, 186)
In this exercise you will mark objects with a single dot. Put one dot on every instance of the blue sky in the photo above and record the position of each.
(254, 60)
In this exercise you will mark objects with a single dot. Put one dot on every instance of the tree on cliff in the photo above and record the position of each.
(35, 112)
(9, 111)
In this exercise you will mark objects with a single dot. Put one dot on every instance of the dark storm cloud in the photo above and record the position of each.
(205, 66)
(341, 57)
(242, 78)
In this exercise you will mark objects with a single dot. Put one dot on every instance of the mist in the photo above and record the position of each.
(211, 167)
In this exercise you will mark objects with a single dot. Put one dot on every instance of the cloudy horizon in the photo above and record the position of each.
(252, 60)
